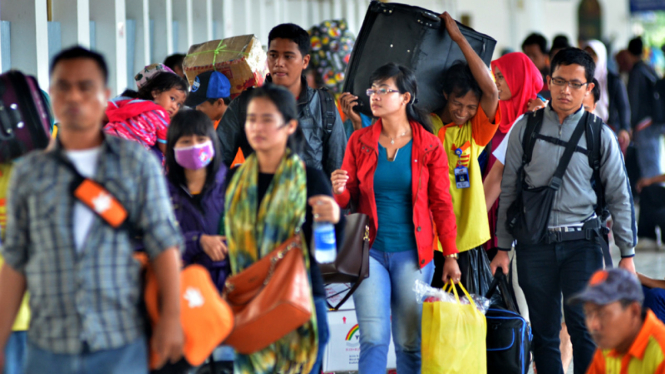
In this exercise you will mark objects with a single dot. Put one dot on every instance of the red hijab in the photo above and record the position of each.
(523, 79)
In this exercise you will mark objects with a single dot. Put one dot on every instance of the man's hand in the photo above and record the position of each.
(348, 101)
(627, 264)
(624, 140)
(642, 183)
(168, 340)
(324, 209)
(501, 260)
(214, 247)
(451, 271)
(452, 28)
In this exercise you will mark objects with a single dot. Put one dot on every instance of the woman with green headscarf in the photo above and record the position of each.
(270, 198)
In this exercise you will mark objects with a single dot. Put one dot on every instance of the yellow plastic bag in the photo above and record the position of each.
(453, 337)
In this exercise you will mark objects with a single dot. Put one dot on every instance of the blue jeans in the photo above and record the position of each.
(389, 291)
(654, 299)
(324, 333)
(129, 359)
(15, 352)
(647, 142)
(545, 272)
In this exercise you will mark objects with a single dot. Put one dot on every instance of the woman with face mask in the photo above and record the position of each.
(195, 176)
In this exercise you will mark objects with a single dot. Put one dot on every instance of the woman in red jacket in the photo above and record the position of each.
(396, 172)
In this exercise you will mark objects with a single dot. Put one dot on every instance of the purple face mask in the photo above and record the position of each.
(195, 157)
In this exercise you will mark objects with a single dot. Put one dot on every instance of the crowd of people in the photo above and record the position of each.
(199, 178)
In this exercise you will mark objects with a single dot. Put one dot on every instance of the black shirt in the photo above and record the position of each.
(317, 184)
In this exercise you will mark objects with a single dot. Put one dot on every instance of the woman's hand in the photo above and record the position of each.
(451, 271)
(339, 178)
(535, 104)
(452, 28)
(214, 247)
(348, 101)
(324, 208)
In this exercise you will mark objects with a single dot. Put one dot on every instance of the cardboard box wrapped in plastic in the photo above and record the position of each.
(240, 58)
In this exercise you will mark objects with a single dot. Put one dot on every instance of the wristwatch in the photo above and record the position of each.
(454, 255)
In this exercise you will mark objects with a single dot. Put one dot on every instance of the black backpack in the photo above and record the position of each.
(593, 139)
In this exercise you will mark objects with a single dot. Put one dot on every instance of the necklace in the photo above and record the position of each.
(392, 140)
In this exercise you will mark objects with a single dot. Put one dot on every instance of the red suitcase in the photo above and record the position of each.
(25, 119)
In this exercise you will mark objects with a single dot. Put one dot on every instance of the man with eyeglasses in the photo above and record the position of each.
(564, 263)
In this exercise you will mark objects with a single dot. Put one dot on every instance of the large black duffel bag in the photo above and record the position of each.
(413, 37)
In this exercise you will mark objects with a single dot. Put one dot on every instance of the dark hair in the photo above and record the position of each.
(286, 105)
(596, 90)
(535, 38)
(405, 80)
(191, 122)
(459, 81)
(160, 83)
(227, 100)
(570, 56)
(559, 42)
(292, 32)
(80, 52)
(174, 60)
(636, 46)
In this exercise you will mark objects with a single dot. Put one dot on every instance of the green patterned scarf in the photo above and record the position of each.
(251, 237)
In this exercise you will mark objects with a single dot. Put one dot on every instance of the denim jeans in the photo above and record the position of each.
(647, 142)
(654, 299)
(324, 333)
(129, 359)
(389, 292)
(545, 272)
(15, 352)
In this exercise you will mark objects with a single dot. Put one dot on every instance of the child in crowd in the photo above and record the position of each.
(195, 176)
(144, 116)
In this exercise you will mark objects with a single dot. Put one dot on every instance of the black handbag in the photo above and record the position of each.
(508, 333)
(413, 37)
(528, 216)
(352, 262)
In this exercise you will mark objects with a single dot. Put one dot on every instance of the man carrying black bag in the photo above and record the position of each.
(561, 254)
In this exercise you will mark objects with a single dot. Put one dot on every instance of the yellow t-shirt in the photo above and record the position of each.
(468, 203)
(23, 317)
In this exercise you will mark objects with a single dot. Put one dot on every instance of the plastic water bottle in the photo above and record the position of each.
(325, 244)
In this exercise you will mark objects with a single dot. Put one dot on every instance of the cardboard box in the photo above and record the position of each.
(240, 58)
(343, 350)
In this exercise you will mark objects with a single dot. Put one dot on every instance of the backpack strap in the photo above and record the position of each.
(557, 178)
(593, 139)
(328, 109)
(534, 123)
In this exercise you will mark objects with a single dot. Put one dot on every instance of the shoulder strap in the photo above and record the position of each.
(328, 109)
(593, 140)
(534, 123)
(557, 178)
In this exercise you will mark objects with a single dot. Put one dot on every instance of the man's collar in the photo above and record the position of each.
(106, 144)
(639, 346)
(305, 89)
(575, 117)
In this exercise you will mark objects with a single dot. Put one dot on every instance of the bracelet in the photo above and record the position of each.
(454, 255)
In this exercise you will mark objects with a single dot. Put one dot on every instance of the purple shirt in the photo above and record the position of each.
(196, 219)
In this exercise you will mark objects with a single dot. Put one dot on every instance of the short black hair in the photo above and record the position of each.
(227, 100)
(190, 122)
(596, 90)
(174, 60)
(570, 56)
(80, 52)
(559, 42)
(459, 81)
(291, 32)
(535, 38)
(636, 46)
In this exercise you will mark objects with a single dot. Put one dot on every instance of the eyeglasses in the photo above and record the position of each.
(380, 91)
(562, 82)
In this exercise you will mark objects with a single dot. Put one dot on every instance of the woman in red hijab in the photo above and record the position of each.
(518, 81)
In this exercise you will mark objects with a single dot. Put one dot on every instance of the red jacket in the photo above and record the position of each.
(430, 187)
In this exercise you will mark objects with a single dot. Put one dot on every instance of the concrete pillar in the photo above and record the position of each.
(262, 28)
(362, 6)
(337, 9)
(161, 13)
(349, 15)
(28, 37)
(109, 17)
(314, 14)
(229, 23)
(202, 17)
(74, 18)
(248, 12)
(182, 13)
(139, 11)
